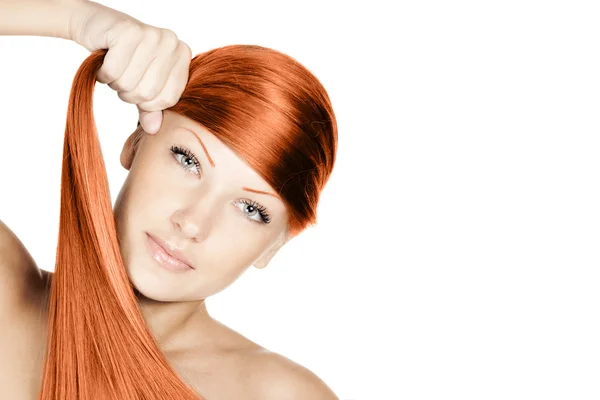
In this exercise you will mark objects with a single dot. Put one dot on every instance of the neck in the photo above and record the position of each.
(177, 325)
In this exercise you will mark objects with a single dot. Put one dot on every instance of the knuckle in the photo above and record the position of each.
(128, 31)
(122, 86)
(127, 86)
(153, 35)
(170, 100)
(132, 28)
(186, 49)
(125, 96)
(149, 106)
(148, 93)
(109, 73)
(169, 37)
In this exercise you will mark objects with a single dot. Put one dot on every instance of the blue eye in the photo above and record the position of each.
(254, 211)
(181, 153)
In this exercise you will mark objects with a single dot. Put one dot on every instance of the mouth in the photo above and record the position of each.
(163, 256)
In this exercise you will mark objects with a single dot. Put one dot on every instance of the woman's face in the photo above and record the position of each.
(188, 189)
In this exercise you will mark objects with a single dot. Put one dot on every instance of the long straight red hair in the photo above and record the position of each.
(267, 108)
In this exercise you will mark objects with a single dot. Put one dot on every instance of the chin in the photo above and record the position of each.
(154, 286)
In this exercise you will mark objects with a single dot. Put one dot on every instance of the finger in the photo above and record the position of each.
(148, 87)
(116, 61)
(154, 78)
(173, 89)
(151, 121)
(141, 60)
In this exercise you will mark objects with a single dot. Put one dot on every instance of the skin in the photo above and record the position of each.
(197, 214)
(148, 66)
(199, 210)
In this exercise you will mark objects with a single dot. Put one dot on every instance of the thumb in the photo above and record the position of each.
(151, 121)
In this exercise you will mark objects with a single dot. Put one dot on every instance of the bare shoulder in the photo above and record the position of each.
(272, 376)
(236, 367)
(278, 377)
(21, 281)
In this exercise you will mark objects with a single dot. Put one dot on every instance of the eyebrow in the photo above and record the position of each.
(212, 163)
(261, 192)
(210, 160)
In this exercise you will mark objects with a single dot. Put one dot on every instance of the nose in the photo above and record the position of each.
(194, 222)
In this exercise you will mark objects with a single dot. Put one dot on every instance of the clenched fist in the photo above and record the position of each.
(146, 65)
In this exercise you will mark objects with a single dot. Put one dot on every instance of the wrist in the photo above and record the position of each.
(78, 12)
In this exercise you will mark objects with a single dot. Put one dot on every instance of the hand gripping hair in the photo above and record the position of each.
(262, 104)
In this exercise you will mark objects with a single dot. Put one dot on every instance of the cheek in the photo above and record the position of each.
(143, 203)
(234, 245)
(222, 259)
(153, 183)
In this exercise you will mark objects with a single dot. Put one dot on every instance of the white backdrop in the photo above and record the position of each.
(456, 254)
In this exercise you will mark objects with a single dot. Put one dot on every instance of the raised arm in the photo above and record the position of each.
(50, 18)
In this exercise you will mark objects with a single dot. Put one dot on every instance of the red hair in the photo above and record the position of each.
(261, 103)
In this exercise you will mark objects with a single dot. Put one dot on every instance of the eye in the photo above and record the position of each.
(254, 211)
(190, 159)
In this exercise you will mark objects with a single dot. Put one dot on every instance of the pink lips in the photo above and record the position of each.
(162, 256)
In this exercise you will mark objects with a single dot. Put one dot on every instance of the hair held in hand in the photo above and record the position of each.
(261, 103)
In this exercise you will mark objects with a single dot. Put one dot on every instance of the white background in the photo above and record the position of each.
(456, 255)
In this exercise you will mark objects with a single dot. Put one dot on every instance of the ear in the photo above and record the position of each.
(130, 147)
(263, 261)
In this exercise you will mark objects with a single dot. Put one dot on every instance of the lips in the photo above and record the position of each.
(177, 255)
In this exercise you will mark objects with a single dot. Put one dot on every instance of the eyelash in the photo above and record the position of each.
(185, 152)
(262, 210)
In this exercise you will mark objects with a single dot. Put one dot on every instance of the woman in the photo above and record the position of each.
(220, 180)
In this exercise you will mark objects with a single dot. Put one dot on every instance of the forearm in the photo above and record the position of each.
(50, 18)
